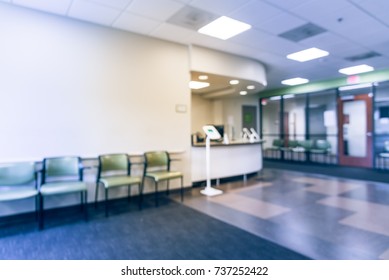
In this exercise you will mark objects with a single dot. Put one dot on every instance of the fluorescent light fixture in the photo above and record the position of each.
(356, 69)
(287, 96)
(294, 81)
(275, 98)
(243, 92)
(224, 28)
(307, 54)
(203, 77)
(234, 82)
(366, 85)
(250, 87)
(198, 85)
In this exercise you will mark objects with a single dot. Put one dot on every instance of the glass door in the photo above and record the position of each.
(355, 130)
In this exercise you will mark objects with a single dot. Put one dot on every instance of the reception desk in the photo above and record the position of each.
(227, 160)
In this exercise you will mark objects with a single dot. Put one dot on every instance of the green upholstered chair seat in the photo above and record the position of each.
(318, 151)
(62, 187)
(299, 150)
(115, 171)
(117, 181)
(8, 194)
(163, 175)
(157, 168)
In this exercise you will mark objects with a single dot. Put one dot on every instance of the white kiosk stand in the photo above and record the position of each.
(213, 134)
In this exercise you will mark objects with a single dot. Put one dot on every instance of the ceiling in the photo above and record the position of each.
(352, 28)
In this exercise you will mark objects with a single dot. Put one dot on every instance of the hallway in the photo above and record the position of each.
(322, 217)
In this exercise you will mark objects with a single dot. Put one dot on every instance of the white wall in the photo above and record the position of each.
(69, 87)
(224, 64)
(202, 113)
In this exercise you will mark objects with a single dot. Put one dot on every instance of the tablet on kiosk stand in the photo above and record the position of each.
(212, 134)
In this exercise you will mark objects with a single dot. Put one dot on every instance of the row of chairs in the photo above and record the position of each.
(299, 148)
(63, 175)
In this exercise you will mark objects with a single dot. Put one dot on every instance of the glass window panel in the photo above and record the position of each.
(322, 113)
(271, 116)
(355, 128)
(294, 116)
(381, 123)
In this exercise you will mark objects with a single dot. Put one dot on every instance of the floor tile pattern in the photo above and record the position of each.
(320, 216)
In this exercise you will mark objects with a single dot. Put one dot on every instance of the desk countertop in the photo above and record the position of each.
(231, 143)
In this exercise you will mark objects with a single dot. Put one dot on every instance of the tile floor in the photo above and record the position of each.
(320, 216)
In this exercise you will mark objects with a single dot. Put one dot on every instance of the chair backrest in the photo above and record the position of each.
(292, 143)
(62, 167)
(278, 143)
(113, 163)
(322, 144)
(19, 173)
(157, 159)
(386, 146)
(306, 144)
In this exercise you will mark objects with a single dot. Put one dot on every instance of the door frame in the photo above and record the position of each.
(366, 161)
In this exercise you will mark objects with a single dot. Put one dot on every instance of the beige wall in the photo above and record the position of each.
(73, 88)
(227, 111)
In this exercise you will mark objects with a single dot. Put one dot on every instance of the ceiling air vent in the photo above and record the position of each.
(302, 32)
(362, 56)
(191, 18)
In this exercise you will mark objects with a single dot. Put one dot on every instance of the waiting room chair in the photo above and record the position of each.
(18, 181)
(288, 148)
(115, 171)
(303, 149)
(62, 175)
(157, 168)
(385, 154)
(320, 149)
(275, 150)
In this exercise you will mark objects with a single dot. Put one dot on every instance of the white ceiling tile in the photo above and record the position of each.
(256, 13)
(378, 9)
(184, 1)
(220, 7)
(287, 4)
(337, 16)
(334, 44)
(117, 4)
(93, 12)
(56, 7)
(281, 23)
(8, 1)
(135, 23)
(173, 33)
(281, 46)
(252, 37)
(375, 33)
(382, 48)
(155, 9)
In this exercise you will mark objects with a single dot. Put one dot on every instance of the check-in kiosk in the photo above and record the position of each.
(212, 134)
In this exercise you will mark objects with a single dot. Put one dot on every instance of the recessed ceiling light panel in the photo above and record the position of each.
(308, 54)
(243, 92)
(224, 28)
(203, 77)
(250, 87)
(356, 69)
(234, 82)
(294, 81)
(198, 85)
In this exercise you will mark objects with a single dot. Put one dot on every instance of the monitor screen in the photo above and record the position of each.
(384, 112)
(220, 129)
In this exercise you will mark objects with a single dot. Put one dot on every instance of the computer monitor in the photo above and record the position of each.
(384, 112)
(220, 129)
